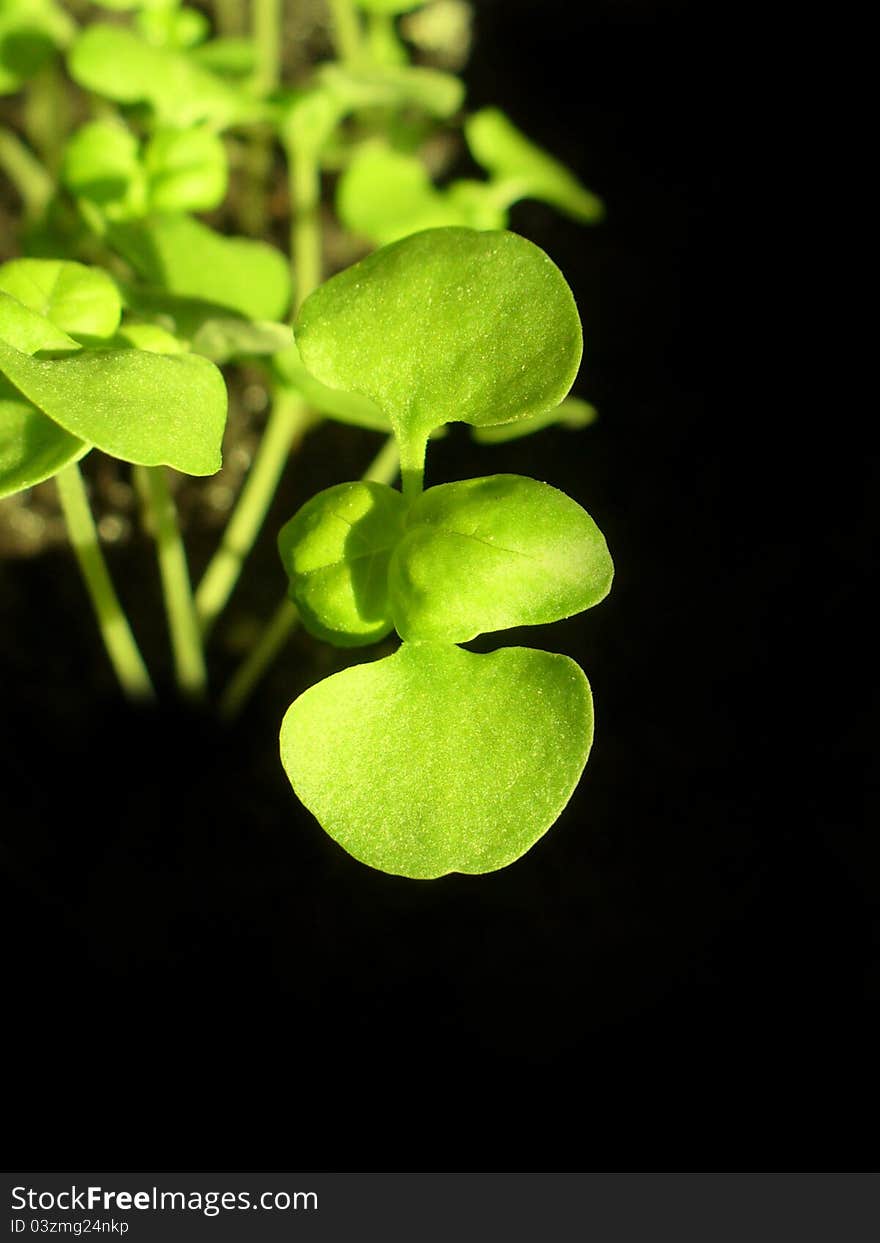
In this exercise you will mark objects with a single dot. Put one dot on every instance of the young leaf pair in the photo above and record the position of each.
(437, 759)
(71, 381)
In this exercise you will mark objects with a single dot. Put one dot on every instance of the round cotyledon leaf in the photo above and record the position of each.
(487, 554)
(77, 299)
(150, 409)
(336, 551)
(439, 760)
(446, 325)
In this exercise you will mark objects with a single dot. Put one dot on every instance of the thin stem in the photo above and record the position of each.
(260, 657)
(287, 424)
(115, 631)
(267, 38)
(186, 641)
(412, 463)
(347, 33)
(382, 469)
(304, 178)
(24, 170)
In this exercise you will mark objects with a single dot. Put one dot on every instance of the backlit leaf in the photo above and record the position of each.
(487, 554)
(32, 447)
(183, 256)
(77, 299)
(446, 325)
(150, 409)
(335, 551)
(506, 153)
(439, 760)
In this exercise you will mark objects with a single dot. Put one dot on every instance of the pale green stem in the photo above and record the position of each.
(382, 469)
(412, 464)
(115, 631)
(267, 37)
(186, 641)
(260, 657)
(304, 179)
(288, 421)
(33, 183)
(347, 32)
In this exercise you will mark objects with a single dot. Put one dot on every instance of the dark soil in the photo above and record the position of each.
(682, 974)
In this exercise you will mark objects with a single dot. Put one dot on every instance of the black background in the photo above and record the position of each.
(683, 973)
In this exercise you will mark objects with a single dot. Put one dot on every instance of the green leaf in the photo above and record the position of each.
(101, 164)
(385, 195)
(488, 554)
(572, 413)
(138, 336)
(187, 170)
(79, 300)
(27, 331)
(231, 57)
(349, 408)
(30, 30)
(172, 26)
(227, 337)
(115, 63)
(32, 447)
(185, 257)
(447, 325)
(394, 86)
(438, 760)
(335, 551)
(508, 155)
(150, 409)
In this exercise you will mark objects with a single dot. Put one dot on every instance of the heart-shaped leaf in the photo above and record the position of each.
(185, 257)
(336, 551)
(446, 325)
(439, 760)
(531, 173)
(150, 409)
(488, 554)
(77, 299)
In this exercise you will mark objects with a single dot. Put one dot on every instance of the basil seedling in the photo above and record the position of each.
(436, 759)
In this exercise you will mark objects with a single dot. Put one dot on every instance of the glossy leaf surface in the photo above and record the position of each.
(150, 409)
(185, 257)
(488, 554)
(335, 551)
(80, 300)
(506, 153)
(447, 325)
(439, 760)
